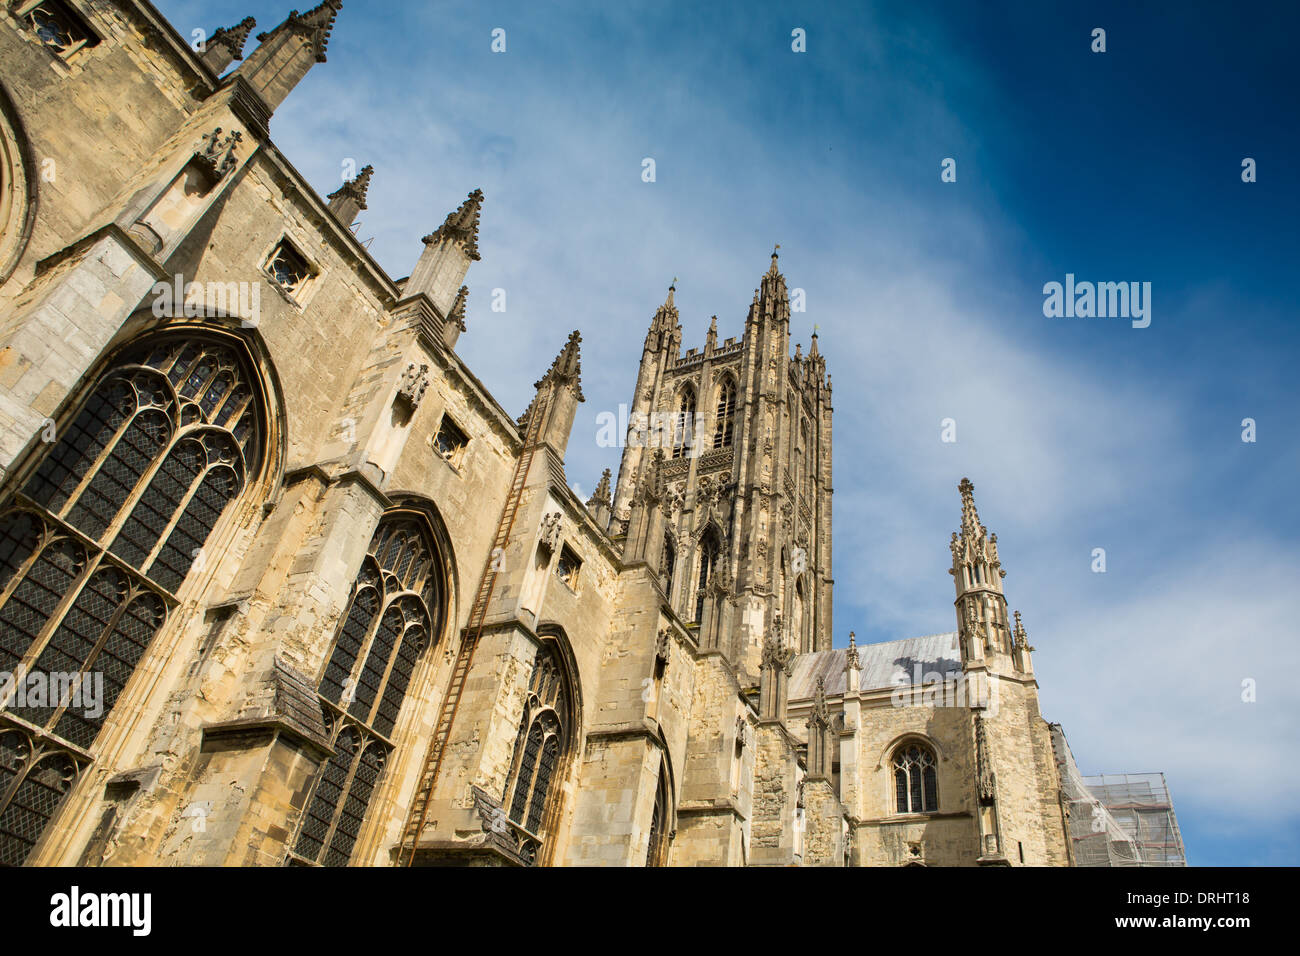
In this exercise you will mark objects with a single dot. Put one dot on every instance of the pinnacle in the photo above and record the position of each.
(316, 22)
(355, 188)
(970, 519)
(462, 225)
(457, 313)
(234, 38)
(567, 367)
(601, 495)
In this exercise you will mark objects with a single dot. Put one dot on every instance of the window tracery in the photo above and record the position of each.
(916, 784)
(93, 547)
(393, 616)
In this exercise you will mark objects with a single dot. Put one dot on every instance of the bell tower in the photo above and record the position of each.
(744, 427)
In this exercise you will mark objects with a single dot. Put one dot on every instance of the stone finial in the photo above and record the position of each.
(820, 710)
(567, 367)
(665, 326)
(457, 313)
(852, 661)
(232, 38)
(461, 226)
(414, 381)
(663, 648)
(286, 54)
(356, 188)
(777, 655)
(970, 519)
(653, 486)
(314, 26)
(350, 198)
(1021, 637)
(711, 340)
(601, 496)
(226, 45)
(210, 157)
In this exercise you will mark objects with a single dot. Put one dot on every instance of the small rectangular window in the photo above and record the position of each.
(289, 269)
(57, 25)
(568, 566)
(450, 441)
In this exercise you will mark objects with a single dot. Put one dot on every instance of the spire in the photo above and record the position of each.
(461, 227)
(711, 340)
(812, 348)
(227, 45)
(285, 55)
(350, 198)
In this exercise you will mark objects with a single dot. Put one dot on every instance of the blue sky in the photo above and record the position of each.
(1078, 433)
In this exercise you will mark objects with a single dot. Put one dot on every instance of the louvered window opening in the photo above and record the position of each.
(725, 421)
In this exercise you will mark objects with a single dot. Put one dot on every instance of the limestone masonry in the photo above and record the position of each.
(344, 609)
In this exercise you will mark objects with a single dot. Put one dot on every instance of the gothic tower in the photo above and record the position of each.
(744, 428)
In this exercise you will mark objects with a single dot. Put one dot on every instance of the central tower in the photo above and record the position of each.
(738, 437)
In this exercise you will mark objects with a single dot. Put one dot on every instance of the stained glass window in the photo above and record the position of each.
(393, 615)
(540, 746)
(141, 472)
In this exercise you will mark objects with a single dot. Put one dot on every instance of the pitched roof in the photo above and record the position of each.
(892, 664)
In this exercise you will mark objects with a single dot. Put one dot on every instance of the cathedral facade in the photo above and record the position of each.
(281, 583)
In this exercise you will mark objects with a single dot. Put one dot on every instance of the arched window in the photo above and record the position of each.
(541, 748)
(96, 543)
(394, 614)
(657, 845)
(684, 423)
(709, 548)
(915, 782)
(708, 564)
(725, 420)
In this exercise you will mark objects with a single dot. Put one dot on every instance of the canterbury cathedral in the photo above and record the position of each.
(283, 584)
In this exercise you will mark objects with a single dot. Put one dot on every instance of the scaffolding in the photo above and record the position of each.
(1119, 819)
